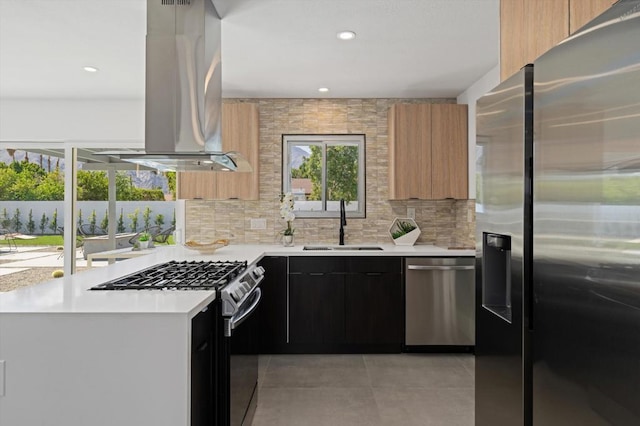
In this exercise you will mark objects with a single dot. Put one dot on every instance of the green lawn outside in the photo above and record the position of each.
(47, 240)
(42, 240)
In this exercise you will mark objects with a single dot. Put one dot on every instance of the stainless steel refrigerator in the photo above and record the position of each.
(558, 234)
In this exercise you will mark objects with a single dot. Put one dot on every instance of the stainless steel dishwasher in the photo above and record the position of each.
(440, 301)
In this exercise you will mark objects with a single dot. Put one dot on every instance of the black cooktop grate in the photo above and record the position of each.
(179, 275)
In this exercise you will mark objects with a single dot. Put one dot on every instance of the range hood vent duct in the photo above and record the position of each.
(183, 101)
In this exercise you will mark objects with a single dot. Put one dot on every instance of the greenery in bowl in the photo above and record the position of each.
(402, 228)
(144, 237)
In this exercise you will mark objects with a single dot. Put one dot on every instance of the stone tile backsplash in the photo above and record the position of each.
(443, 222)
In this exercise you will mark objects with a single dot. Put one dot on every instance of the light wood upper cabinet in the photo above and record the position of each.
(427, 151)
(197, 185)
(513, 54)
(241, 133)
(583, 11)
(449, 152)
(410, 151)
(529, 28)
(546, 24)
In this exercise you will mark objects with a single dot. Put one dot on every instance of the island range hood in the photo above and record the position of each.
(183, 101)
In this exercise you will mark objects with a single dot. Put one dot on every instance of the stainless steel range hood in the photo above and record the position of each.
(183, 101)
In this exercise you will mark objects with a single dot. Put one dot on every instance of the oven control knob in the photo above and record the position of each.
(246, 287)
(237, 294)
(257, 272)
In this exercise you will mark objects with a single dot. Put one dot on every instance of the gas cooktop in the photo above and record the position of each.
(176, 275)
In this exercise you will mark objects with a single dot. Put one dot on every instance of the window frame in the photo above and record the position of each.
(326, 140)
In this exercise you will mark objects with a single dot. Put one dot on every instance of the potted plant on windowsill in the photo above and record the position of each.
(404, 231)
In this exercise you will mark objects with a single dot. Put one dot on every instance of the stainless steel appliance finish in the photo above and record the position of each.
(586, 221)
(504, 126)
(573, 359)
(439, 308)
(238, 351)
(183, 101)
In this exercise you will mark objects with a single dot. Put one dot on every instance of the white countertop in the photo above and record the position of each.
(71, 294)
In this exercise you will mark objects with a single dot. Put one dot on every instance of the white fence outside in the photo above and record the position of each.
(38, 208)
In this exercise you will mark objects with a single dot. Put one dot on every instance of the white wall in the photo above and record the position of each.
(72, 120)
(470, 96)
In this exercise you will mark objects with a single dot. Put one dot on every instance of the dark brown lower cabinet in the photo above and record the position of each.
(345, 305)
(203, 393)
(373, 309)
(316, 311)
(331, 304)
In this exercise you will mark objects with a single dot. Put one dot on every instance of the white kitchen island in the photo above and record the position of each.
(74, 357)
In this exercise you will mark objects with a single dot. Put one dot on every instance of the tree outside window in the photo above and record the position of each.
(320, 170)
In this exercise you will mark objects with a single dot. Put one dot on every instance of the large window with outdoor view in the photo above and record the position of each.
(321, 170)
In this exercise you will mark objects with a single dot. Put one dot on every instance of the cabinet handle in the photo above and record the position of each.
(203, 346)
(372, 274)
(439, 268)
(316, 273)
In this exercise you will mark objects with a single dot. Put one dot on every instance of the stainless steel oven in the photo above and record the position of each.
(238, 351)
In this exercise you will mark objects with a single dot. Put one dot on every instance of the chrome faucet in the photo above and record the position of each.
(343, 221)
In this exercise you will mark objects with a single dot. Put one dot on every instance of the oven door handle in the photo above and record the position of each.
(230, 324)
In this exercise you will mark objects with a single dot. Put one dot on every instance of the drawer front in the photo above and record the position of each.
(373, 264)
(316, 264)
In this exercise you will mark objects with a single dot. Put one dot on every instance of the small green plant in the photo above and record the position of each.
(54, 222)
(16, 222)
(121, 222)
(5, 221)
(146, 217)
(92, 222)
(31, 225)
(134, 219)
(104, 224)
(43, 223)
(144, 236)
(403, 228)
(159, 220)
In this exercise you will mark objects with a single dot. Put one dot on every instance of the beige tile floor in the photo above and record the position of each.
(376, 390)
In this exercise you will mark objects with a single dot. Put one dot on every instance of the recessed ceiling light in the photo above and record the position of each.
(207, 162)
(224, 169)
(90, 69)
(346, 35)
(323, 89)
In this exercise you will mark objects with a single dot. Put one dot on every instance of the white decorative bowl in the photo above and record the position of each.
(407, 239)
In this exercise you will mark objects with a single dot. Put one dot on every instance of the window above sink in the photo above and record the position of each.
(320, 170)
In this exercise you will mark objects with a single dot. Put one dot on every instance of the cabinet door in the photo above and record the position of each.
(202, 368)
(316, 309)
(409, 151)
(449, 151)
(546, 24)
(512, 38)
(583, 11)
(528, 28)
(192, 185)
(273, 307)
(240, 133)
(373, 306)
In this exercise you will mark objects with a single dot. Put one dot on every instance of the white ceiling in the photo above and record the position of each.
(270, 48)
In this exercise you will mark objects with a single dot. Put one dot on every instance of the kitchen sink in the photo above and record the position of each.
(343, 248)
